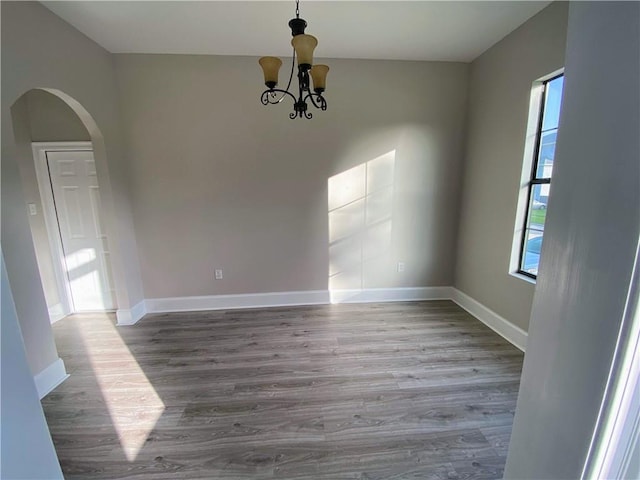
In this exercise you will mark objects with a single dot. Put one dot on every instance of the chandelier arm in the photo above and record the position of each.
(322, 103)
(266, 100)
(268, 95)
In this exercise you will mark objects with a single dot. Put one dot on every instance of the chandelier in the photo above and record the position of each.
(303, 46)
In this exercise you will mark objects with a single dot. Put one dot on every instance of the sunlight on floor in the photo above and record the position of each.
(133, 416)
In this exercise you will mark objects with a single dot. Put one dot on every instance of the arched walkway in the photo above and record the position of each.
(18, 181)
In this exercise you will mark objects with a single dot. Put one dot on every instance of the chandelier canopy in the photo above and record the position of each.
(303, 46)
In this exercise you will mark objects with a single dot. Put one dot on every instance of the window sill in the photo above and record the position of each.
(530, 280)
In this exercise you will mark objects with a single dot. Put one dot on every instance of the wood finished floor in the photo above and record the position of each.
(416, 390)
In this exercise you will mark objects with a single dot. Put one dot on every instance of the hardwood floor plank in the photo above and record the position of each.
(498, 436)
(415, 390)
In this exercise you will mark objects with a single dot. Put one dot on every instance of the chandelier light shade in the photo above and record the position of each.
(303, 47)
(319, 77)
(270, 67)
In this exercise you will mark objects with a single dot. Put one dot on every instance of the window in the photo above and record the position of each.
(539, 183)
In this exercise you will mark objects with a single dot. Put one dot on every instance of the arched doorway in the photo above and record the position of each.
(64, 177)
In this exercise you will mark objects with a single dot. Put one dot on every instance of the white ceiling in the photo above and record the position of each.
(395, 30)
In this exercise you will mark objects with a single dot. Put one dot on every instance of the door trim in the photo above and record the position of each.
(40, 150)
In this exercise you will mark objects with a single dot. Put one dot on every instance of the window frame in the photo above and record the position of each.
(533, 176)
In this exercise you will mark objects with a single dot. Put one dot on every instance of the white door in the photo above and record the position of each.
(84, 242)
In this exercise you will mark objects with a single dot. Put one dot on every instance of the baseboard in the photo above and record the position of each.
(132, 315)
(368, 295)
(50, 378)
(513, 334)
(223, 302)
(56, 312)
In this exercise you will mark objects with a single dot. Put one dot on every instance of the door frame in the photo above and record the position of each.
(40, 150)
(615, 445)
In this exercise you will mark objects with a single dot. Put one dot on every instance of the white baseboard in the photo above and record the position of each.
(56, 312)
(223, 302)
(50, 378)
(132, 315)
(512, 333)
(390, 294)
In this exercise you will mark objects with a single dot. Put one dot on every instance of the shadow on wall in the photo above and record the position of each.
(360, 208)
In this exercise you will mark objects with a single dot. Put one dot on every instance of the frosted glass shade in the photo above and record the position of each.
(270, 67)
(304, 46)
(319, 77)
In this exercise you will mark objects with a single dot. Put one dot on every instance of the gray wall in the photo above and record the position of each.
(220, 181)
(500, 89)
(27, 449)
(39, 50)
(592, 231)
(51, 120)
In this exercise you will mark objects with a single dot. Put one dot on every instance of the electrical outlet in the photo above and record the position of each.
(32, 209)
(400, 267)
(218, 273)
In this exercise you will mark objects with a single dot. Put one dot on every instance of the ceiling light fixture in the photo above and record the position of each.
(303, 46)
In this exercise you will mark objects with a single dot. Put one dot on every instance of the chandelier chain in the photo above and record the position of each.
(297, 8)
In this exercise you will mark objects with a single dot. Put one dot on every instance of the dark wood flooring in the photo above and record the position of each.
(417, 390)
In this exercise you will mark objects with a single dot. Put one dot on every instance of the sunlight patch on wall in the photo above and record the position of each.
(134, 419)
(360, 206)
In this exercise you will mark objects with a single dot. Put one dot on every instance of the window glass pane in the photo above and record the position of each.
(540, 185)
(531, 254)
(538, 207)
(552, 101)
(546, 154)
